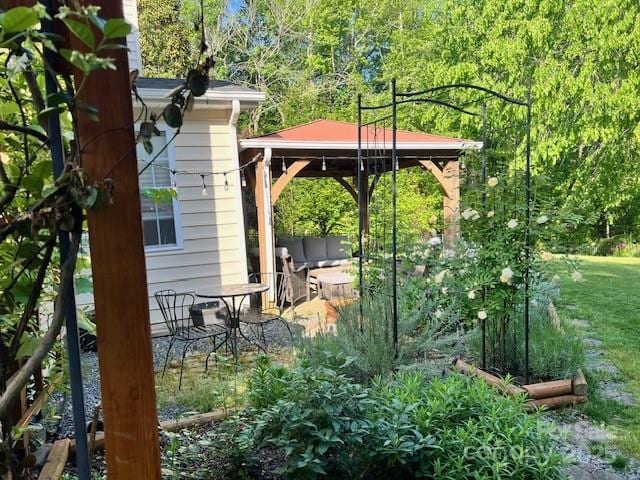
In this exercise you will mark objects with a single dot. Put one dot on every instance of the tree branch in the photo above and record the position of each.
(24, 130)
(17, 382)
(32, 303)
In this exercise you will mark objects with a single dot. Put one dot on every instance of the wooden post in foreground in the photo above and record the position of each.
(119, 273)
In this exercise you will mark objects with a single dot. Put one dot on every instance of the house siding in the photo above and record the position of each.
(133, 39)
(212, 252)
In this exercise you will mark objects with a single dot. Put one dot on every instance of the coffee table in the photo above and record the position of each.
(335, 285)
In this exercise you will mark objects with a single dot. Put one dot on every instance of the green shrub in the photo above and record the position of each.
(366, 341)
(454, 428)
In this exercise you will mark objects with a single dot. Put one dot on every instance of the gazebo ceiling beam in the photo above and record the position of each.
(283, 180)
(348, 187)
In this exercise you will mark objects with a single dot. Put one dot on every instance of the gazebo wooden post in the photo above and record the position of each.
(363, 206)
(119, 273)
(266, 239)
(451, 202)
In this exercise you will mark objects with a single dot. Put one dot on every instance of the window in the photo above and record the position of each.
(159, 220)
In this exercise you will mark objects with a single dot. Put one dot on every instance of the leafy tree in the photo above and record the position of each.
(165, 41)
(579, 59)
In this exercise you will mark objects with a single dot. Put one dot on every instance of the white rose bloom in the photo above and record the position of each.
(467, 214)
(444, 290)
(434, 241)
(438, 313)
(546, 256)
(576, 276)
(476, 216)
(513, 223)
(482, 315)
(440, 276)
(507, 275)
(490, 213)
(471, 295)
(492, 182)
(542, 219)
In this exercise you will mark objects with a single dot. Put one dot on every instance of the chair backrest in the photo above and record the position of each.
(175, 308)
(264, 302)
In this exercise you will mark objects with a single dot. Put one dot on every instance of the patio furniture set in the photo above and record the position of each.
(222, 315)
(189, 322)
(321, 263)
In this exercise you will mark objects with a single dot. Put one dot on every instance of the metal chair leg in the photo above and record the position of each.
(286, 324)
(166, 357)
(184, 354)
(216, 347)
(264, 338)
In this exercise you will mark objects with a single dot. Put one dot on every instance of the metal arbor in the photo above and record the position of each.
(389, 112)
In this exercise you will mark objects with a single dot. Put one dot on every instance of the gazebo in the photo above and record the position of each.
(328, 148)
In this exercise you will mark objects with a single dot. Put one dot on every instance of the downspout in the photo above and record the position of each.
(235, 161)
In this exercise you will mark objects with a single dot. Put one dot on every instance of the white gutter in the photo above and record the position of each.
(213, 98)
(293, 144)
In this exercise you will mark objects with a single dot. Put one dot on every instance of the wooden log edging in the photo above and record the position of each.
(550, 395)
(167, 426)
(57, 459)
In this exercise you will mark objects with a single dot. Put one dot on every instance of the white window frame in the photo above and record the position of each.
(177, 211)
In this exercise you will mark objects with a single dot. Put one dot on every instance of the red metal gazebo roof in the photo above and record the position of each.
(333, 134)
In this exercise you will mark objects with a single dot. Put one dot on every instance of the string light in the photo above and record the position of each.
(226, 182)
(243, 180)
(204, 186)
(324, 164)
(361, 166)
(284, 165)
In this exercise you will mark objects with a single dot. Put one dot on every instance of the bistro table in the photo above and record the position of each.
(233, 297)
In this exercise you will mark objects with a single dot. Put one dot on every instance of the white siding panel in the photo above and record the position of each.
(211, 225)
(133, 39)
(211, 253)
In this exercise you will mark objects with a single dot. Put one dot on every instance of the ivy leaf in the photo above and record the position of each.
(172, 115)
(84, 322)
(83, 285)
(116, 28)
(82, 31)
(18, 19)
(27, 345)
(98, 21)
(89, 198)
(89, 110)
(113, 46)
(58, 98)
(47, 112)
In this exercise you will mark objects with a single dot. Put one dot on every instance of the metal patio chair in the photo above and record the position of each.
(177, 310)
(263, 310)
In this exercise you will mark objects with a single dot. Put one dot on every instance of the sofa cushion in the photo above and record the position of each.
(295, 247)
(315, 248)
(330, 262)
(338, 247)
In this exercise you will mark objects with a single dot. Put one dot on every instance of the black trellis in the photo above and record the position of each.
(428, 96)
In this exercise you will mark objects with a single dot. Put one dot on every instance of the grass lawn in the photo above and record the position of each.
(608, 298)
